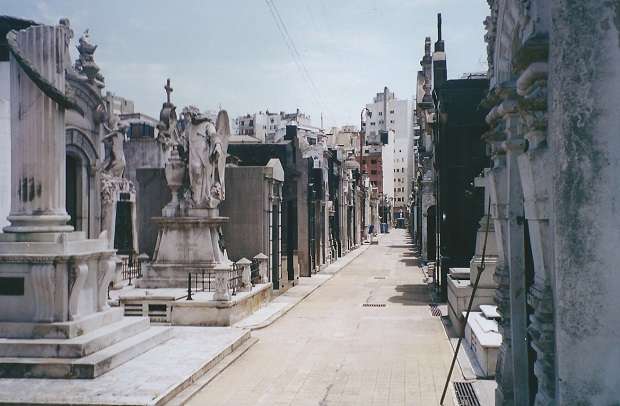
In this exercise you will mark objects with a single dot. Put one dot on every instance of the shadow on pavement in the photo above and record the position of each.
(412, 295)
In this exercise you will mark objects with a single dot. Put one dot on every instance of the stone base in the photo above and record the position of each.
(79, 349)
(171, 306)
(459, 293)
(184, 244)
(484, 345)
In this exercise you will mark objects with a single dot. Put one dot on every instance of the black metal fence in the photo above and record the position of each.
(130, 268)
(204, 281)
(255, 272)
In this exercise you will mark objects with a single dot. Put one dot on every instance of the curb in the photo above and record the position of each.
(189, 392)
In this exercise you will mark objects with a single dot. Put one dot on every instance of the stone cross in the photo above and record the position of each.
(168, 90)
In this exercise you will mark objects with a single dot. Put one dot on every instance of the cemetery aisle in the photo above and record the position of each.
(332, 350)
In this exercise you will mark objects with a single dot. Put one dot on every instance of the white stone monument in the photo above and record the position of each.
(190, 229)
(53, 281)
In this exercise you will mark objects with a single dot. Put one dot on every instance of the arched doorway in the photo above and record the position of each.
(77, 191)
(80, 188)
(431, 237)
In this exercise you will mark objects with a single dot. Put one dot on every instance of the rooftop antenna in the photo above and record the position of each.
(321, 120)
(438, 26)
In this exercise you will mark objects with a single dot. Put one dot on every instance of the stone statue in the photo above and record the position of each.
(207, 146)
(218, 156)
(114, 165)
(168, 132)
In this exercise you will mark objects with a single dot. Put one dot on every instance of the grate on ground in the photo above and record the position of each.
(435, 311)
(373, 304)
(465, 394)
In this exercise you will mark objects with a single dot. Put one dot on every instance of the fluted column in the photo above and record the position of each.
(39, 55)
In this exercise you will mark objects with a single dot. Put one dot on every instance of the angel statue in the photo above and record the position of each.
(207, 144)
(218, 157)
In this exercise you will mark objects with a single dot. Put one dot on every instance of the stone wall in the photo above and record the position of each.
(153, 195)
(246, 233)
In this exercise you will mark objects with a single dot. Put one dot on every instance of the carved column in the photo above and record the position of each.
(262, 267)
(44, 291)
(498, 192)
(537, 182)
(105, 273)
(77, 279)
(39, 55)
(507, 206)
(222, 277)
(246, 274)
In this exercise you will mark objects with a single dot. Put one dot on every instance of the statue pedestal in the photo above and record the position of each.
(184, 244)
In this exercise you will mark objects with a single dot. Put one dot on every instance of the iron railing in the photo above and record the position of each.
(255, 272)
(130, 267)
(204, 281)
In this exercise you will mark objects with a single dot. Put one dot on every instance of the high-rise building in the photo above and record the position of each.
(389, 139)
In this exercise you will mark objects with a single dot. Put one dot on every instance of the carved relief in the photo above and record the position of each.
(77, 277)
(105, 273)
(43, 287)
(221, 284)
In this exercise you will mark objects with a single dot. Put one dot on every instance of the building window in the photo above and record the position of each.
(251, 122)
(373, 172)
(372, 123)
(380, 113)
(373, 161)
(391, 111)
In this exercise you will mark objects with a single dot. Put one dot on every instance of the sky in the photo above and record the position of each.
(231, 54)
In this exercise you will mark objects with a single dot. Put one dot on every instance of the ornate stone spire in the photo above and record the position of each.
(427, 66)
(85, 64)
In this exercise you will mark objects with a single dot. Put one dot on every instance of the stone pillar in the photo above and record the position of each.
(143, 259)
(584, 96)
(506, 209)
(262, 267)
(246, 274)
(222, 278)
(37, 131)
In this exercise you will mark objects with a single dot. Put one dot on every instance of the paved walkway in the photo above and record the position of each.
(332, 350)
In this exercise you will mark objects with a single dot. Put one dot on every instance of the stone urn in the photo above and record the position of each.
(175, 172)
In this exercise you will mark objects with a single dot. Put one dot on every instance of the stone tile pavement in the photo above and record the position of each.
(149, 379)
(332, 350)
(269, 313)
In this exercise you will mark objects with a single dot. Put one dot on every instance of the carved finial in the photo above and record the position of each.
(169, 90)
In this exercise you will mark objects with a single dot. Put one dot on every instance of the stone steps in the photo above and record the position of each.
(87, 367)
(68, 329)
(76, 347)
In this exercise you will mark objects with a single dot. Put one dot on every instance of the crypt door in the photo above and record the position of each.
(77, 191)
(431, 236)
(275, 246)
